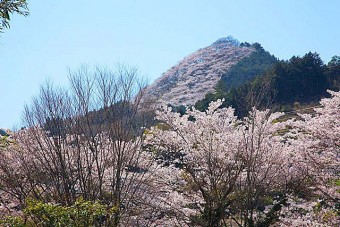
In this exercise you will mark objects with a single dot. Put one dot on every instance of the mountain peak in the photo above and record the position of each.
(227, 41)
(197, 74)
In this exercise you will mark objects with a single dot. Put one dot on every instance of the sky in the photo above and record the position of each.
(152, 35)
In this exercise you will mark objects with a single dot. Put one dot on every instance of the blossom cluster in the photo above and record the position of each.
(198, 169)
(235, 165)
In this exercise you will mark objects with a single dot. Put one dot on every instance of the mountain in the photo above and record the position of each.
(286, 86)
(244, 75)
(256, 64)
(199, 73)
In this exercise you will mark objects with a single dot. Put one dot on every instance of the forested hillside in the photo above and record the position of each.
(198, 73)
(246, 69)
(300, 80)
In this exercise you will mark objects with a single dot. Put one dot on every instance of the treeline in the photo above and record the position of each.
(246, 69)
(299, 79)
(101, 119)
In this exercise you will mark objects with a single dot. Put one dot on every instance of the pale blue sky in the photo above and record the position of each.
(150, 34)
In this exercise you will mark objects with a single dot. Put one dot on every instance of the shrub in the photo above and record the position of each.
(82, 213)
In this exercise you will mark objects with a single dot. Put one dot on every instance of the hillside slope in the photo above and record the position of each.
(288, 84)
(197, 74)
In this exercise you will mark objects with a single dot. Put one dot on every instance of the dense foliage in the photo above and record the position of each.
(300, 79)
(246, 69)
(81, 213)
(247, 172)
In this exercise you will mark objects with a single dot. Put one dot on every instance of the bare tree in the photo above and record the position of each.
(87, 141)
(113, 134)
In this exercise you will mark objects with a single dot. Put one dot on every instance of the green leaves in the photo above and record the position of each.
(8, 7)
(82, 213)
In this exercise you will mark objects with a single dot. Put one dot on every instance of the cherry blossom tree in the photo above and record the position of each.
(315, 137)
(86, 141)
(229, 166)
(318, 135)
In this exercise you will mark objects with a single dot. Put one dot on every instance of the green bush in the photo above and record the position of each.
(13, 222)
(82, 213)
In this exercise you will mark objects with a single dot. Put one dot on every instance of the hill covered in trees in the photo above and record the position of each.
(246, 69)
(199, 73)
(299, 80)
(245, 75)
